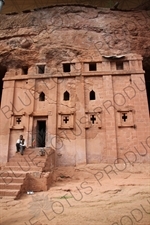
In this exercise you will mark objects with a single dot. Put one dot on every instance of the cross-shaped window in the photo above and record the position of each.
(65, 119)
(93, 119)
(18, 120)
(124, 117)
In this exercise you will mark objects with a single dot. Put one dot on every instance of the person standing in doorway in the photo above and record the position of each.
(20, 145)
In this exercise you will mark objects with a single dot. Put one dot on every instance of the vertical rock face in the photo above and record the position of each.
(74, 82)
(62, 33)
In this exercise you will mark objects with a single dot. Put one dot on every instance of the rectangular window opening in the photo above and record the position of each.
(41, 69)
(24, 70)
(66, 67)
(92, 66)
(119, 65)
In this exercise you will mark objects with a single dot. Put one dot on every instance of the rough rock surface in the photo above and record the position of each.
(63, 33)
(122, 198)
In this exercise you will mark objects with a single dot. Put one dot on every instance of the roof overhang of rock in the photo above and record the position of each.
(17, 6)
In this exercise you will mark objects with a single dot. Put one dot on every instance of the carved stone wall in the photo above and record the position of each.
(75, 82)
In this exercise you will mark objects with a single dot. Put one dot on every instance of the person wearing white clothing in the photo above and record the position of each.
(20, 145)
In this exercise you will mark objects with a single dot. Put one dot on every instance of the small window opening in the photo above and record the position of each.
(24, 70)
(124, 117)
(41, 69)
(18, 120)
(66, 96)
(92, 95)
(66, 119)
(119, 65)
(42, 97)
(92, 66)
(66, 67)
(93, 119)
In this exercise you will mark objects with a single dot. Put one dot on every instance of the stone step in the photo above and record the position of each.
(32, 150)
(8, 180)
(14, 174)
(26, 169)
(35, 151)
(7, 198)
(30, 156)
(27, 159)
(26, 163)
(5, 192)
(12, 186)
(29, 153)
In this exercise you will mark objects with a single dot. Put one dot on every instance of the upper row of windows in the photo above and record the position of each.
(67, 67)
(66, 96)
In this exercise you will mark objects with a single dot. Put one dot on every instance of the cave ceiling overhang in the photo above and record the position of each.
(18, 6)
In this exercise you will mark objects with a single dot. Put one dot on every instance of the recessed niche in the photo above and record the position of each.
(125, 118)
(65, 121)
(119, 65)
(66, 96)
(41, 69)
(24, 70)
(18, 120)
(42, 97)
(92, 95)
(93, 119)
(66, 67)
(92, 66)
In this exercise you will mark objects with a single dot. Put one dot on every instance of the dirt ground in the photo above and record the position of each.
(87, 195)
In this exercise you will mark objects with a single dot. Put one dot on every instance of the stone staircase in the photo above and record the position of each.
(27, 172)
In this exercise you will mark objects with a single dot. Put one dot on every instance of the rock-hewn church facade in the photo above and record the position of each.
(88, 109)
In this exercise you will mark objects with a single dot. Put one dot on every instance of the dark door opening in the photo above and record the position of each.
(41, 133)
(3, 70)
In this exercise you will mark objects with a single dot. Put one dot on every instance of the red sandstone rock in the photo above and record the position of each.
(62, 33)
(51, 78)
